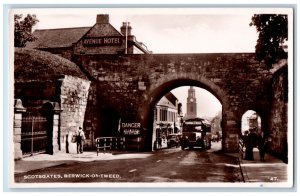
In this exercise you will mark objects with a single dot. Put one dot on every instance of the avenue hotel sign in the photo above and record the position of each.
(102, 41)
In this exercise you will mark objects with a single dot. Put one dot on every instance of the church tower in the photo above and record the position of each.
(191, 104)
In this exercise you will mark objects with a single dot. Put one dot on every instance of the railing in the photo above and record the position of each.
(241, 156)
(241, 148)
(112, 143)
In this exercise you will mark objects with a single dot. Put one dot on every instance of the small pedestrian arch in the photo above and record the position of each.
(250, 120)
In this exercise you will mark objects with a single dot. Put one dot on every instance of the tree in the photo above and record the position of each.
(273, 34)
(23, 29)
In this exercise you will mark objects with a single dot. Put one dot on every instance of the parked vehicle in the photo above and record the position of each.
(173, 140)
(215, 138)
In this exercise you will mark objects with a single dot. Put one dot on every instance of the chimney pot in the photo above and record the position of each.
(123, 28)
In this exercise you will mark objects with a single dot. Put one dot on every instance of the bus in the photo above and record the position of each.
(196, 133)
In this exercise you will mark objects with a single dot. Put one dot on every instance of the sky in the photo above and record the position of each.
(207, 104)
(170, 30)
(165, 30)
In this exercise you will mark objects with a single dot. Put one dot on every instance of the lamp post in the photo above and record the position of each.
(181, 124)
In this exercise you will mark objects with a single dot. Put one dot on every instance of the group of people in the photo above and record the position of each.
(253, 139)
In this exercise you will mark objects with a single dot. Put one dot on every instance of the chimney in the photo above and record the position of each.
(102, 18)
(123, 29)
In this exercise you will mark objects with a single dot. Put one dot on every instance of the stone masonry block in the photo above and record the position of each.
(17, 123)
(17, 131)
(18, 116)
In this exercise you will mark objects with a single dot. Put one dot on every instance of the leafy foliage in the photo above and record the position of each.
(273, 33)
(23, 29)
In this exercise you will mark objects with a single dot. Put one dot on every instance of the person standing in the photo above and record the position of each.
(244, 138)
(251, 142)
(159, 142)
(263, 141)
(80, 137)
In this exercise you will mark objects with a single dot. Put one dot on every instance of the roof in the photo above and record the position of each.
(168, 100)
(57, 38)
(66, 37)
(171, 97)
(36, 65)
(205, 121)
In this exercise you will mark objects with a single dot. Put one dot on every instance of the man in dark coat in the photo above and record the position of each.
(263, 142)
(250, 143)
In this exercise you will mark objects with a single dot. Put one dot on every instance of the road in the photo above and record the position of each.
(168, 165)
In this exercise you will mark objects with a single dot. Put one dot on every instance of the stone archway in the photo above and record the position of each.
(163, 87)
(132, 84)
(251, 119)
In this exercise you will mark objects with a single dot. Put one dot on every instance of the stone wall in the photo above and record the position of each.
(91, 122)
(131, 85)
(279, 118)
(73, 99)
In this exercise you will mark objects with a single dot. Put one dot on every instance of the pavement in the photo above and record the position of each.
(41, 161)
(270, 170)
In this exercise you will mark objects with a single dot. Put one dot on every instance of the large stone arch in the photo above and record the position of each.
(131, 84)
(166, 84)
